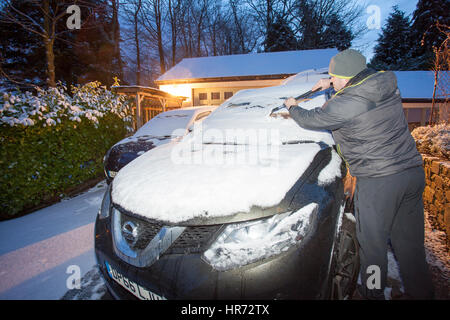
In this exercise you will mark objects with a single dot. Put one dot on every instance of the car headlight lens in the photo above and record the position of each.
(106, 204)
(244, 243)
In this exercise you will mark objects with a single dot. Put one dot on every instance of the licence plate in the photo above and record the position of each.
(131, 286)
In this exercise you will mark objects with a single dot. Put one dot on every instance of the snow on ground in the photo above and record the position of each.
(36, 250)
(92, 287)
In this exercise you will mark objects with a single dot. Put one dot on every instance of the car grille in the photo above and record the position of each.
(146, 232)
(193, 239)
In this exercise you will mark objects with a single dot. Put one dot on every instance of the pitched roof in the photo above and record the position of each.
(251, 64)
(415, 84)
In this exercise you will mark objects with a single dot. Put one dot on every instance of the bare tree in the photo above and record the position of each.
(132, 12)
(116, 35)
(152, 17)
(45, 27)
(319, 13)
(174, 8)
(214, 20)
(46, 19)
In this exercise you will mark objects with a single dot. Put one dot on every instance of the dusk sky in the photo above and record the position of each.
(368, 41)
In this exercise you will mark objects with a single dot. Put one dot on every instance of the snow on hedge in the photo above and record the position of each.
(433, 140)
(49, 107)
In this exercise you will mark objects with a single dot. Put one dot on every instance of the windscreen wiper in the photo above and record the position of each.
(298, 99)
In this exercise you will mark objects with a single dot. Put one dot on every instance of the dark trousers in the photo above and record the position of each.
(391, 207)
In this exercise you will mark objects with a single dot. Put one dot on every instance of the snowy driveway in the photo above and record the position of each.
(36, 250)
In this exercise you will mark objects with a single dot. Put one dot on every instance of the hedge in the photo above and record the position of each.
(41, 158)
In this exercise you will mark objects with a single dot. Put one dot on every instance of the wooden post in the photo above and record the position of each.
(436, 73)
(138, 110)
(423, 116)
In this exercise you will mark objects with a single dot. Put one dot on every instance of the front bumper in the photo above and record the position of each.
(300, 273)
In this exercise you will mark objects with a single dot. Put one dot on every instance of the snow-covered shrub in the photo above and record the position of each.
(52, 141)
(48, 107)
(434, 140)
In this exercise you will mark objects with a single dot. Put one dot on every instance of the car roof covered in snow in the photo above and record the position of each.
(251, 64)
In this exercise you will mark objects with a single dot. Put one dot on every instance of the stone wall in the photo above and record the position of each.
(436, 197)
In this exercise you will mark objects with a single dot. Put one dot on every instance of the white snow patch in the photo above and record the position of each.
(350, 216)
(433, 139)
(393, 270)
(331, 171)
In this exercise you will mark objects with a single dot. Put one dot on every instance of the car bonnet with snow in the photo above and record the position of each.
(163, 128)
(240, 158)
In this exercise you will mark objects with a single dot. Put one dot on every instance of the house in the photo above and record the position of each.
(416, 89)
(212, 80)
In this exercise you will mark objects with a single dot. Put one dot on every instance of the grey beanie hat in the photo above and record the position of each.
(347, 64)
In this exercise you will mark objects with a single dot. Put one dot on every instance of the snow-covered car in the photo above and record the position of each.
(164, 128)
(247, 206)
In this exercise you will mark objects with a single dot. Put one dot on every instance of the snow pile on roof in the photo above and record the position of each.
(433, 140)
(251, 64)
(415, 84)
(238, 158)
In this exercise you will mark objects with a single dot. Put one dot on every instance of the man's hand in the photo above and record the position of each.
(290, 102)
(322, 83)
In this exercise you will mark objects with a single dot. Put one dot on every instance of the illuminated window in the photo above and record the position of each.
(228, 95)
(215, 95)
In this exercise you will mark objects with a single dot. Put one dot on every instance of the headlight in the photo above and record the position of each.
(106, 204)
(244, 243)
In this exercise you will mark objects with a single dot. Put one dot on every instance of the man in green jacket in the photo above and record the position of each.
(371, 134)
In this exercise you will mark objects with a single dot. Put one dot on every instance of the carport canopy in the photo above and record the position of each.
(141, 92)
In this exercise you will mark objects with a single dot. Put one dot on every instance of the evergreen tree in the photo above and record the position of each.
(393, 51)
(319, 29)
(280, 37)
(423, 27)
(20, 49)
(336, 35)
